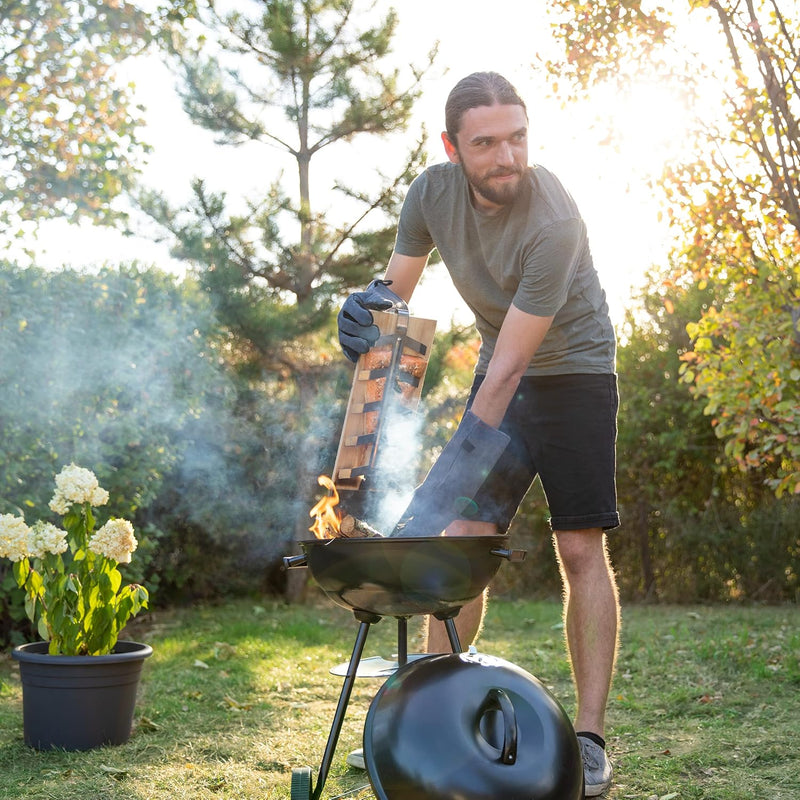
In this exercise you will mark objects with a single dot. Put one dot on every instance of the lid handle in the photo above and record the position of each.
(498, 700)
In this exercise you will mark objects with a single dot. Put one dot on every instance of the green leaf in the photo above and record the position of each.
(20, 570)
(30, 607)
(116, 579)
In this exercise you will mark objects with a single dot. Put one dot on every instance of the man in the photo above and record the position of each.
(517, 251)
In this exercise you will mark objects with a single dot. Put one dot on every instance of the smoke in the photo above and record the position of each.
(387, 488)
(390, 488)
(121, 372)
(118, 372)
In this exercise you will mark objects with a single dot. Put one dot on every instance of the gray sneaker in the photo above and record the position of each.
(597, 769)
(356, 759)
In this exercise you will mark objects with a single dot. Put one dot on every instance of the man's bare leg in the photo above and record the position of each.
(591, 621)
(470, 619)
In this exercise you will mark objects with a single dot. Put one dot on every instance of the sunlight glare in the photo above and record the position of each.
(648, 124)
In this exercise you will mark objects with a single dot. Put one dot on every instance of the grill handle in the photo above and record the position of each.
(515, 556)
(498, 700)
(295, 562)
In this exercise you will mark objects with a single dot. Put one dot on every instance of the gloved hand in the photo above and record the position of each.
(357, 331)
(454, 479)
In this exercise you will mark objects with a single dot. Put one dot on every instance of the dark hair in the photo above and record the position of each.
(478, 89)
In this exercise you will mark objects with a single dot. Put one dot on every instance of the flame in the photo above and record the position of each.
(326, 522)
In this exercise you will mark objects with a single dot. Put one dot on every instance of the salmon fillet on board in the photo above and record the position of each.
(380, 358)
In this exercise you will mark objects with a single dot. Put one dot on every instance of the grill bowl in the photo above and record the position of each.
(403, 577)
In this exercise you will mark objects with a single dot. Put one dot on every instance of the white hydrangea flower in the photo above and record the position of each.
(46, 538)
(114, 540)
(14, 537)
(76, 485)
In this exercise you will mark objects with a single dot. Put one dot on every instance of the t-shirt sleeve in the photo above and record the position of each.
(413, 237)
(549, 265)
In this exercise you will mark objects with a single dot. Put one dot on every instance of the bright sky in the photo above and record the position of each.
(609, 183)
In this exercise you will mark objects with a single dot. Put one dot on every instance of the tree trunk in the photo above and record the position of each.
(643, 533)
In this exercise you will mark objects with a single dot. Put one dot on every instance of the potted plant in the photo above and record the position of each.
(79, 684)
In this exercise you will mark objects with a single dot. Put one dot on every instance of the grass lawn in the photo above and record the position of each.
(705, 704)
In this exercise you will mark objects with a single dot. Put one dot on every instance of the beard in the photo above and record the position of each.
(503, 194)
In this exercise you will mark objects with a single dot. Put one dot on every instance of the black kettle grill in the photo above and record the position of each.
(453, 725)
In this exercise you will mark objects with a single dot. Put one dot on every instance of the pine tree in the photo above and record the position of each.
(299, 78)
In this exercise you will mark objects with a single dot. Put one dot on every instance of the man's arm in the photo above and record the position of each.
(519, 339)
(476, 445)
(404, 272)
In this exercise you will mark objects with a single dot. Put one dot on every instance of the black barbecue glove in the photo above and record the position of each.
(357, 329)
(454, 479)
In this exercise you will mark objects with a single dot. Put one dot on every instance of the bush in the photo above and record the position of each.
(123, 372)
(718, 555)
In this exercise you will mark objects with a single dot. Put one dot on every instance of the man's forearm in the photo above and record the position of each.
(404, 272)
(517, 343)
(493, 398)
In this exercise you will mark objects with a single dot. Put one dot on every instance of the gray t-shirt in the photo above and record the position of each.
(534, 254)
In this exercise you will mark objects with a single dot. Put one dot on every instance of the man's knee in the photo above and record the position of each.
(581, 552)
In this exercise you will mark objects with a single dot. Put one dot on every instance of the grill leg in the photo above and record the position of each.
(341, 708)
(402, 641)
(452, 634)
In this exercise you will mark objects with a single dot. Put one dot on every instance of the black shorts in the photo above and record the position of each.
(564, 429)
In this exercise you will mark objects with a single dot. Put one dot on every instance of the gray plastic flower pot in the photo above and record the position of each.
(79, 702)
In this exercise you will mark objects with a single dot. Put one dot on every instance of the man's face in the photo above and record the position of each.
(492, 148)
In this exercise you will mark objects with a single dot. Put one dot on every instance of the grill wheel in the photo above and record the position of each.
(301, 783)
